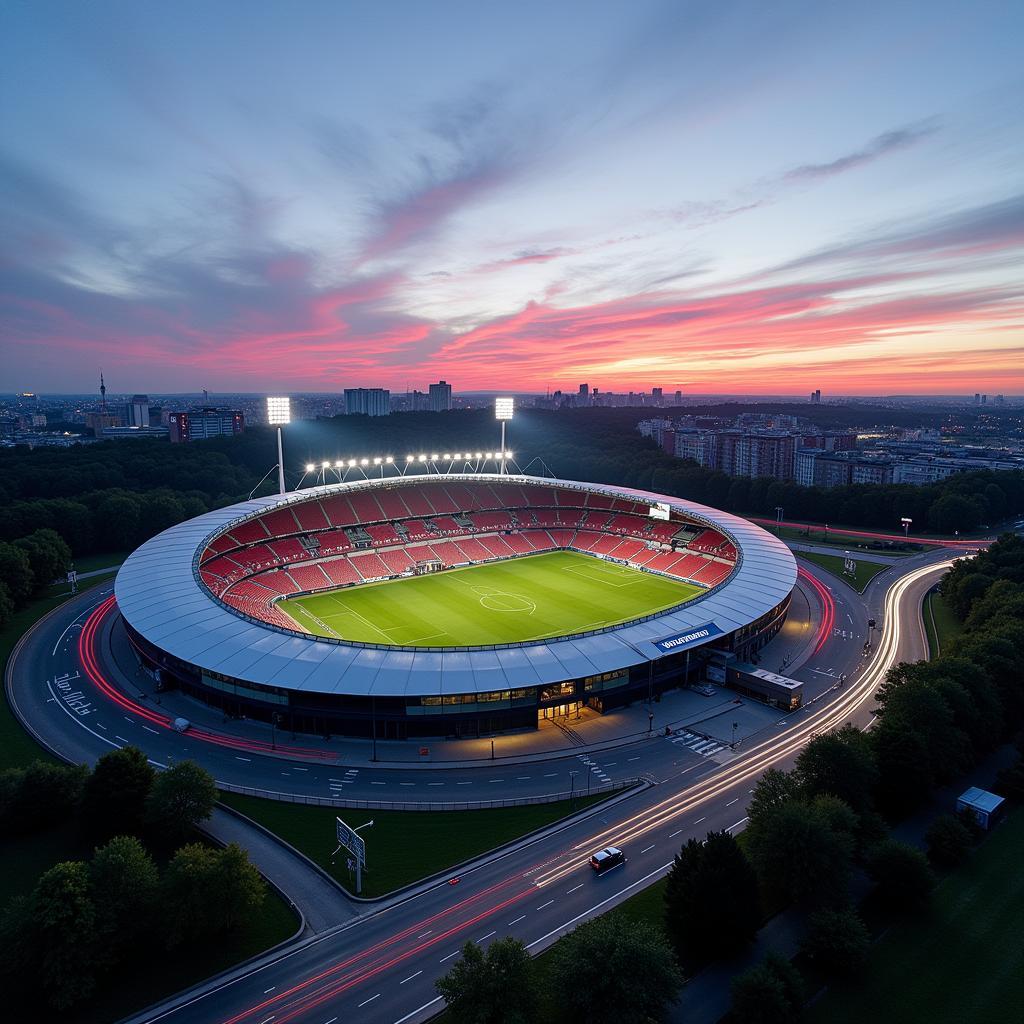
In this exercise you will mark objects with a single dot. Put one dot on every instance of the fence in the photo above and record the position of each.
(433, 805)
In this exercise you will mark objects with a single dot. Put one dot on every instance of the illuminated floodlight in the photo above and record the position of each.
(310, 467)
(377, 461)
(423, 458)
(389, 459)
(351, 463)
(479, 455)
(508, 455)
(490, 455)
(434, 457)
(364, 462)
(279, 411)
(325, 465)
(503, 408)
(447, 457)
(339, 463)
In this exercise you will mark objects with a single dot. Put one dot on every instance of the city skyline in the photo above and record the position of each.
(720, 201)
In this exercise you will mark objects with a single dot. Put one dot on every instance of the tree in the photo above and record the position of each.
(772, 789)
(188, 893)
(904, 773)
(6, 604)
(949, 841)
(124, 884)
(38, 795)
(841, 764)
(115, 793)
(902, 874)
(838, 942)
(711, 899)
(63, 933)
(614, 971)
(496, 987)
(48, 554)
(772, 992)
(803, 851)
(181, 797)
(239, 885)
(16, 573)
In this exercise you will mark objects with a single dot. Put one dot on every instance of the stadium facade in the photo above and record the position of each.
(199, 600)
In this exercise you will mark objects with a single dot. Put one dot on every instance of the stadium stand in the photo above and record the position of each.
(310, 545)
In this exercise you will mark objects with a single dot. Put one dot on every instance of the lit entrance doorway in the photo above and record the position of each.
(570, 710)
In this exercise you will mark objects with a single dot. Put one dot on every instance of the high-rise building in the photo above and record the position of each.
(367, 401)
(679, 398)
(136, 412)
(816, 397)
(204, 423)
(656, 395)
(440, 396)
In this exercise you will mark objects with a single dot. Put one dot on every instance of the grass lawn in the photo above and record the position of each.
(866, 571)
(108, 560)
(940, 623)
(835, 538)
(964, 961)
(403, 846)
(501, 602)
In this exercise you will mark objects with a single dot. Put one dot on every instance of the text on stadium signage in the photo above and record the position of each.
(678, 640)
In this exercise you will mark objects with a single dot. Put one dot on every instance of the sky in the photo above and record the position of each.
(718, 197)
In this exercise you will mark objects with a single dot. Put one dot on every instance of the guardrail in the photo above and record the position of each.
(433, 805)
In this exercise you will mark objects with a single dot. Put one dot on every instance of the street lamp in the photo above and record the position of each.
(279, 412)
(572, 790)
(503, 413)
(906, 521)
(778, 517)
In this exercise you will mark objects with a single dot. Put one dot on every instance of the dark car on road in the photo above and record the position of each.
(606, 859)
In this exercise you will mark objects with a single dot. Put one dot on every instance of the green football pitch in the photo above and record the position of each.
(531, 598)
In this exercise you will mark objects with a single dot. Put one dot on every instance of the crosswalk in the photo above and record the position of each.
(338, 784)
(595, 769)
(698, 744)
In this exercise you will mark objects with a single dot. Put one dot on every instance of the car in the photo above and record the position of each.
(606, 859)
(181, 725)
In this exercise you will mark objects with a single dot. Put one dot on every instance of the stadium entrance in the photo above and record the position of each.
(571, 710)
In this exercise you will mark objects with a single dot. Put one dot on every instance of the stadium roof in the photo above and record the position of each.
(159, 594)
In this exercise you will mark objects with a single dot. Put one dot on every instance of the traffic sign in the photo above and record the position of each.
(352, 841)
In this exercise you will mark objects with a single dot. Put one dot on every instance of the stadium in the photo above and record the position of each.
(449, 605)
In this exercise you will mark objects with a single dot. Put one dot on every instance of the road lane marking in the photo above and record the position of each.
(487, 936)
(268, 990)
(731, 802)
(122, 739)
(429, 931)
(411, 976)
(368, 1001)
(699, 820)
(674, 834)
(543, 905)
(463, 783)
(153, 731)
(522, 917)
(649, 848)
(237, 758)
(448, 957)
(571, 891)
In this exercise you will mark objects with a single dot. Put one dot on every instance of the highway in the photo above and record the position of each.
(382, 967)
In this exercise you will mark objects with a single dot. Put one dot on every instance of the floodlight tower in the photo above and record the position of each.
(279, 412)
(503, 413)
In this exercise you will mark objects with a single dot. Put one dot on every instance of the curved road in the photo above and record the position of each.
(382, 967)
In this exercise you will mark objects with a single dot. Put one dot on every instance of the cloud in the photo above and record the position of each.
(880, 146)
(990, 228)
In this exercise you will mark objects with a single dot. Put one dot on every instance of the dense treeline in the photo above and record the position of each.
(114, 495)
(142, 888)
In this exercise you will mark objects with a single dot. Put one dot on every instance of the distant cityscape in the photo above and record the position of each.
(792, 448)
